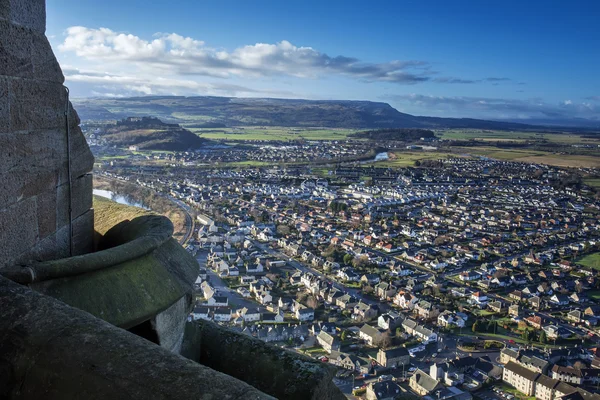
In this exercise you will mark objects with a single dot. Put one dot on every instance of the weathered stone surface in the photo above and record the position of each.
(31, 13)
(127, 291)
(18, 230)
(81, 192)
(51, 351)
(83, 233)
(45, 65)
(15, 50)
(33, 151)
(33, 135)
(169, 324)
(36, 105)
(82, 160)
(275, 371)
(3, 105)
(53, 247)
(47, 212)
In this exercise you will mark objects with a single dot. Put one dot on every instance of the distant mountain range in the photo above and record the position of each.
(210, 112)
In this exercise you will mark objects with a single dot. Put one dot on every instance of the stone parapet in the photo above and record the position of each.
(275, 371)
(51, 351)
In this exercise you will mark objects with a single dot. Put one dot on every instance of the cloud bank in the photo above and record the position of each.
(497, 108)
(179, 61)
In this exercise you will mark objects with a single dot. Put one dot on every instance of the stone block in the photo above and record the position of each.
(29, 13)
(36, 105)
(83, 233)
(45, 65)
(4, 115)
(47, 210)
(15, 50)
(34, 152)
(81, 201)
(82, 159)
(53, 247)
(74, 119)
(18, 230)
(19, 185)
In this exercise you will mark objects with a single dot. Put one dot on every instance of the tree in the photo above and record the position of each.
(475, 326)
(283, 230)
(348, 258)
(385, 341)
(360, 262)
(543, 338)
(344, 335)
(367, 289)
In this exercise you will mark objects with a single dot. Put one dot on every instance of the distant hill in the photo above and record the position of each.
(152, 134)
(208, 111)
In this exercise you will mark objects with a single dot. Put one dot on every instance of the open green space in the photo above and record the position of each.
(272, 133)
(517, 136)
(407, 159)
(590, 260)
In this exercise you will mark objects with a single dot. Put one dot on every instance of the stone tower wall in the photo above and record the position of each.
(35, 192)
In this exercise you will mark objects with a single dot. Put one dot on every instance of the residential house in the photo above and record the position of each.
(201, 313)
(385, 290)
(520, 378)
(423, 384)
(353, 363)
(384, 390)
(567, 374)
(426, 310)
(405, 300)
(328, 342)
(222, 314)
(370, 335)
(363, 311)
(305, 314)
(390, 320)
(395, 357)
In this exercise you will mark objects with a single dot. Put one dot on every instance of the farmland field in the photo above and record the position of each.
(272, 133)
(493, 136)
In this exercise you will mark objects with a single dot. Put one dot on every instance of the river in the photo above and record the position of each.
(119, 198)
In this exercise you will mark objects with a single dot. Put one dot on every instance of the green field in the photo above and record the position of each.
(593, 182)
(590, 260)
(272, 133)
(493, 135)
(407, 159)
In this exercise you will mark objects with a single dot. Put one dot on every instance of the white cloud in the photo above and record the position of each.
(186, 56)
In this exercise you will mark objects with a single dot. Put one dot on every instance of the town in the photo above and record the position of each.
(458, 278)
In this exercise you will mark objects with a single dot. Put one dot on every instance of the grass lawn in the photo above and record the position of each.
(590, 260)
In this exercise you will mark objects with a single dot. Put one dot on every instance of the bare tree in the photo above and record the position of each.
(312, 302)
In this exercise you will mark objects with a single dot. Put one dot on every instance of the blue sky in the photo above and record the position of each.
(483, 59)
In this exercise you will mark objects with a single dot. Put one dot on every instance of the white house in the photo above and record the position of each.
(222, 315)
